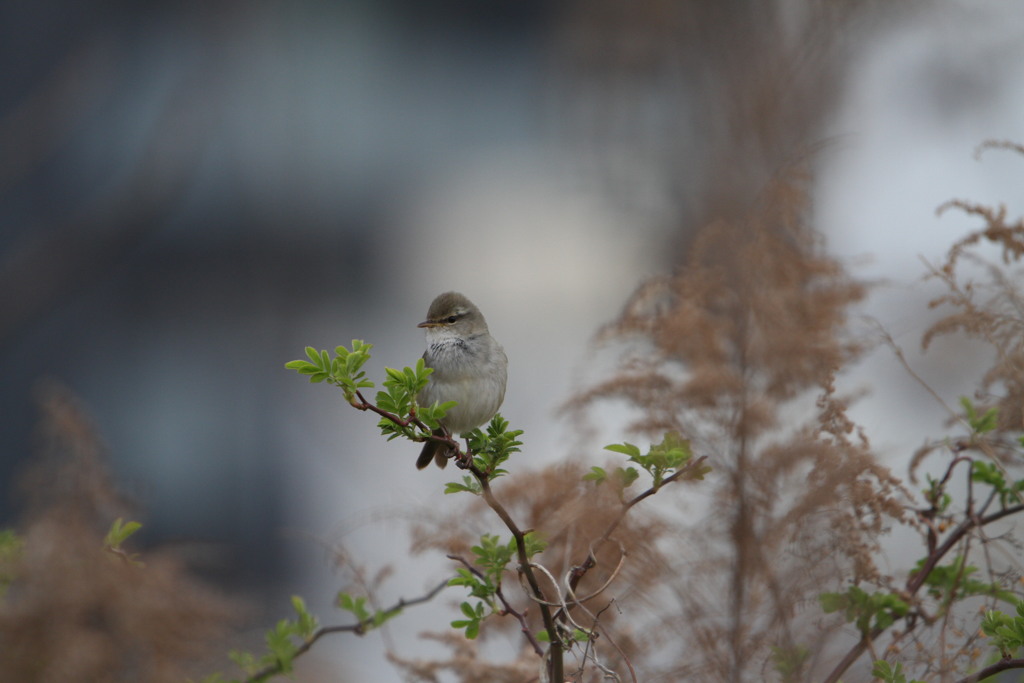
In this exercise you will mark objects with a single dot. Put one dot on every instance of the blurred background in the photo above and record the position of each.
(191, 192)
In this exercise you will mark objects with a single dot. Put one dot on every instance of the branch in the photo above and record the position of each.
(555, 672)
(359, 628)
(464, 460)
(917, 579)
(413, 421)
(1002, 665)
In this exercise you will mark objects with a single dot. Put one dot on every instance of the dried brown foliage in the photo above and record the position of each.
(742, 342)
(714, 97)
(739, 350)
(465, 663)
(734, 351)
(991, 310)
(725, 351)
(76, 612)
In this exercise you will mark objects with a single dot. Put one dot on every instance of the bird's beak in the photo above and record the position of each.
(427, 323)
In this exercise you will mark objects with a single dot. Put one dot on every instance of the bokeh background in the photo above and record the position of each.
(191, 192)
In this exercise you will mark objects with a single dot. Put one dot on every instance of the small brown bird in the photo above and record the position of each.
(470, 367)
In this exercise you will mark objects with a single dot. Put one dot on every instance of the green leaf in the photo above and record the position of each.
(980, 424)
(534, 545)
(473, 630)
(865, 610)
(1006, 632)
(628, 475)
(832, 602)
(307, 623)
(119, 532)
(469, 485)
(623, 448)
(596, 475)
(789, 662)
(280, 644)
(243, 660)
(882, 670)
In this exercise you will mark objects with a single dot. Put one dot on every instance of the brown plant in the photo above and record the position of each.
(992, 310)
(746, 332)
(76, 612)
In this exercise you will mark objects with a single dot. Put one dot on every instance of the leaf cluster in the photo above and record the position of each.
(953, 582)
(989, 473)
(1006, 632)
(869, 611)
(789, 662)
(661, 461)
(283, 645)
(367, 620)
(484, 581)
(890, 673)
(120, 531)
(980, 423)
(344, 370)
(399, 398)
(395, 403)
(490, 450)
(11, 548)
(936, 494)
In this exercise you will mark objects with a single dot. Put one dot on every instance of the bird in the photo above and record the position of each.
(470, 368)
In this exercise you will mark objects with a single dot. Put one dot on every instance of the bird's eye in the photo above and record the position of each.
(452, 319)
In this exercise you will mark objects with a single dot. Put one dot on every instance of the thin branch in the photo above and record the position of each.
(917, 579)
(615, 573)
(608, 637)
(359, 628)
(898, 351)
(581, 570)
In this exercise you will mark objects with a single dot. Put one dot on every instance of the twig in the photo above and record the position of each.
(359, 628)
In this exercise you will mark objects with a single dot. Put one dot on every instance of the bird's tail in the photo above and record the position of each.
(434, 450)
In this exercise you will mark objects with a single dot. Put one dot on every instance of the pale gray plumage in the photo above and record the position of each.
(470, 367)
